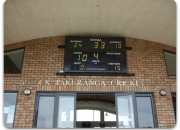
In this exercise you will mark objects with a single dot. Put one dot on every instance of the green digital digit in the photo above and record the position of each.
(80, 44)
(79, 57)
(96, 45)
(118, 45)
(84, 57)
(117, 67)
(81, 67)
(75, 45)
(102, 45)
(96, 55)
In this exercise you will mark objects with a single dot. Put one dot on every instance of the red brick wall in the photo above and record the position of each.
(43, 58)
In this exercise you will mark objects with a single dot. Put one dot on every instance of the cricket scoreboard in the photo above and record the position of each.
(84, 54)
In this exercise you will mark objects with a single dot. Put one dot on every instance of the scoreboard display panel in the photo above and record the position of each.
(95, 54)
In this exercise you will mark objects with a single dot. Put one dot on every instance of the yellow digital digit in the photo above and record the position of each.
(117, 67)
(84, 57)
(96, 55)
(79, 57)
(118, 45)
(96, 45)
(80, 44)
(102, 45)
(75, 45)
(81, 67)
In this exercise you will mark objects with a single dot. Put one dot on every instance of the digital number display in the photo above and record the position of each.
(95, 54)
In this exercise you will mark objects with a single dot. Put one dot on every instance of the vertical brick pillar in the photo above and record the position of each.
(164, 110)
(25, 110)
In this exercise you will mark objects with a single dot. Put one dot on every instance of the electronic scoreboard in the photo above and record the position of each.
(85, 54)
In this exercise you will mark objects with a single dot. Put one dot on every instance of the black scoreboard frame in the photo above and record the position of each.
(67, 71)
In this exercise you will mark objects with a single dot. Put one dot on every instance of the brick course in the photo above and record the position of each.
(43, 58)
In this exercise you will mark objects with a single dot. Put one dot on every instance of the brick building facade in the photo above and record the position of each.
(42, 59)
